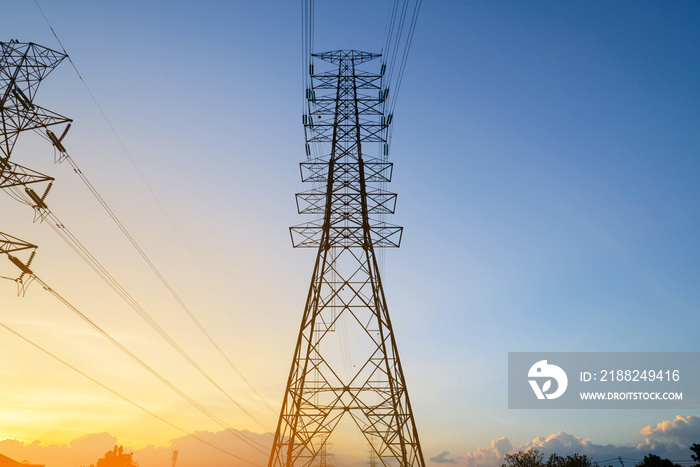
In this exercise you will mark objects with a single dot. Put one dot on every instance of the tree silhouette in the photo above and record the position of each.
(575, 460)
(534, 458)
(652, 460)
(531, 458)
(116, 458)
(696, 457)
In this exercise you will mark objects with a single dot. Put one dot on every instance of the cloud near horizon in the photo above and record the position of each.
(80, 451)
(442, 458)
(668, 439)
(88, 449)
(683, 431)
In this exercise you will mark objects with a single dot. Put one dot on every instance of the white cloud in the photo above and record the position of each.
(668, 439)
(491, 456)
(683, 431)
(442, 458)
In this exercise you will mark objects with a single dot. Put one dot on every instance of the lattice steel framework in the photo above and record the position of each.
(346, 303)
(22, 68)
(9, 246)
(23, 65)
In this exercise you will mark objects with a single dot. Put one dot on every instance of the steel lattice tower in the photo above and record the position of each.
(23, 65)
(346, 300)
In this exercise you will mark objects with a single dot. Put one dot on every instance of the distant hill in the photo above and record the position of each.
(7, 462)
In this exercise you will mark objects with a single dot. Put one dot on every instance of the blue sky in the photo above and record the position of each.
(546, 160)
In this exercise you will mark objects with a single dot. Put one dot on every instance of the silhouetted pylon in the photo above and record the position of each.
(346, 308)
(22, 68)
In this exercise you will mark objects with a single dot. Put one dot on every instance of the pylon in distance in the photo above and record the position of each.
(346, 307)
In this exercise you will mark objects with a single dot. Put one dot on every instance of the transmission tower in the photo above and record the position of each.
(22, 68)
(372, 458)
(325, 459)
(346, 303)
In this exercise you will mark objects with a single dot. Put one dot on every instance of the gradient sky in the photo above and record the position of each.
(546, 160)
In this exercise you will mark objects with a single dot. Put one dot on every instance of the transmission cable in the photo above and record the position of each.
(388, 28)
(252, 443)
(129, 237)
(160, 276)
(404, 58)
(121, 396)
(397, 44)
(77, 246)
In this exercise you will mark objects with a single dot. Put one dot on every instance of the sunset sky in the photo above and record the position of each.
(546, 161)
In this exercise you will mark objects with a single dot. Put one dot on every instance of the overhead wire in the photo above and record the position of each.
(404, 58)
(305, 54)
(123, 397)
(307, 33)
(79, 248)
(133, 241)
(252, 443)
(392, 77)
(383, 155)
(308, 41)
(393, 41)
(397, 44)
(157, 272)
(388, 27)
(318, 147)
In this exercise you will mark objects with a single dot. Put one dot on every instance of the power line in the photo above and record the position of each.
(164, 281)
(392, 47)
(404, 58)
(15, 178)
(254, 444)
(121, 396)
(25, 270)
(132, 240)
(78, 247)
